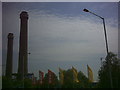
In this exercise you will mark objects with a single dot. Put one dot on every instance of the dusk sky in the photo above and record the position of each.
(62, 35)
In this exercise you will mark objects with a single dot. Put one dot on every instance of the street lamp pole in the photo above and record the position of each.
(103, 26)
(105, 35)
(85, 10)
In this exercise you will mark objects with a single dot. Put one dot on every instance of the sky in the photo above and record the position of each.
(61, 35)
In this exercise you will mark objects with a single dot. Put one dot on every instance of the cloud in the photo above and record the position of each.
(67, 38)
(57, 40)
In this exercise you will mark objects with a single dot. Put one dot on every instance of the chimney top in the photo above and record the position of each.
(24, 15)
(10, 35)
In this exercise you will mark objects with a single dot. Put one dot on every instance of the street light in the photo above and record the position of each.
(86, 10)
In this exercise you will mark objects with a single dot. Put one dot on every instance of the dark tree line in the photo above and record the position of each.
(112, 62)
(103, 75)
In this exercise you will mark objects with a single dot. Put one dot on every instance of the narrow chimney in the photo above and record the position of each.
(23, 49)
(9, 55)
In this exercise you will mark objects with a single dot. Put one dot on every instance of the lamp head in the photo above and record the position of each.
(85, 10)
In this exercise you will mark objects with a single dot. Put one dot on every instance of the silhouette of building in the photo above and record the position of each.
(9, 55)
(23, 49)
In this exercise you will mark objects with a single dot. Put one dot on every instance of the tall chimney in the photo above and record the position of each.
(9, 55)
(23, 53)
